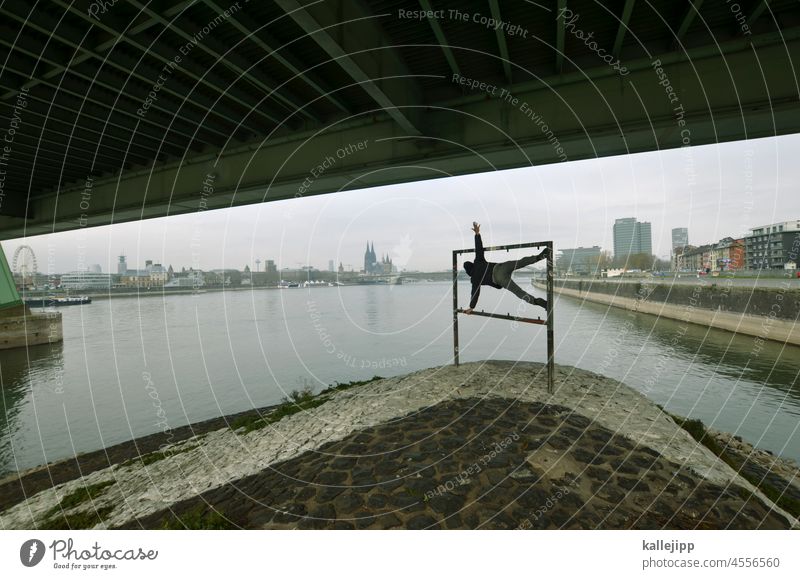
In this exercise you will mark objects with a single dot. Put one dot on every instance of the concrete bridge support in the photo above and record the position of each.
(19, 327)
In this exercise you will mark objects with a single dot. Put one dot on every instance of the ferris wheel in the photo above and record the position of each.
(24, 262)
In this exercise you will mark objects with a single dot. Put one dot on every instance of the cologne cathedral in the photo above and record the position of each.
(372, 265)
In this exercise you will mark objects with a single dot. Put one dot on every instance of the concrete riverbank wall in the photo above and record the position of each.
(768, 313)
(19, 328)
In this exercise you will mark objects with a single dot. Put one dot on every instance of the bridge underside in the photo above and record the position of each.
(111, 112)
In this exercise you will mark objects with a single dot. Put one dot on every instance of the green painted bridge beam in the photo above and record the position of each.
(9, 296)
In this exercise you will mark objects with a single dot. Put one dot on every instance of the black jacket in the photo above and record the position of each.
(481, 273)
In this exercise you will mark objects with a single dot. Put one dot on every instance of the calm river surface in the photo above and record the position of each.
(130, 367)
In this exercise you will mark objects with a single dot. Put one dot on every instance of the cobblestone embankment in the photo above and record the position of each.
(482, 445)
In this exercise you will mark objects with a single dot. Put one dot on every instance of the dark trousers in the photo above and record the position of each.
(501, 275)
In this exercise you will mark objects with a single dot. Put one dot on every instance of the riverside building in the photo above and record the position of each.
(774, 246)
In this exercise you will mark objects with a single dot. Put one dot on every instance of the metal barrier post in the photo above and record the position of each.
(455, 307)
(550, 344)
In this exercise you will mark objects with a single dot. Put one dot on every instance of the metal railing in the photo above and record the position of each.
(548, 321)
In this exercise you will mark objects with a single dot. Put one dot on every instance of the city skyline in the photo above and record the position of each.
(716, 191)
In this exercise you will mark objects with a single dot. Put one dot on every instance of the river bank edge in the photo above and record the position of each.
(774, 479)
(760, 327)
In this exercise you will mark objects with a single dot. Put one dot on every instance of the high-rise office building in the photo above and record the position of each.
(680, 237)
(330, 265)
(632, 237)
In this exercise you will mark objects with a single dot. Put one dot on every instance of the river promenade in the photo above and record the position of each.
(766, 311)
(482, 445)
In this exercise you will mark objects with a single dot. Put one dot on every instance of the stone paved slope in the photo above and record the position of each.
(199, 465)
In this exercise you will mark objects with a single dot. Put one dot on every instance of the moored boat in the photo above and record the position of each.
(47, 302)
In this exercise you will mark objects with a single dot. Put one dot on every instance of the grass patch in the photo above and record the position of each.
(80, 496)
(82, 520)
(297, 401)
(197, 519)
(152, 457)
(249, 423)
(698, 431)
(787, 503)
(347, 385)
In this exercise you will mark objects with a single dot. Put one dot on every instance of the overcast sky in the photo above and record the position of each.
(715, 191)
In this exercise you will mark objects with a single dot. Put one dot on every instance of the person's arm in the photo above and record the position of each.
(479, 248)
(476, 293)
(478, 243)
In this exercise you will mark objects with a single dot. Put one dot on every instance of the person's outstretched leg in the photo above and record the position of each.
(525, 296)
(531, 259)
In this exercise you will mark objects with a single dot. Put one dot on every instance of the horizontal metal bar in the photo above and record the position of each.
(507, 247)
(504, 317)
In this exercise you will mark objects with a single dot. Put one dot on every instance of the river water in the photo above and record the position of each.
(130, 367)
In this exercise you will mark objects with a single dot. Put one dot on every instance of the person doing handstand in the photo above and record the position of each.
(498, 275)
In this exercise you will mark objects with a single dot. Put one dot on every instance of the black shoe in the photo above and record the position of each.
(540, 302)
